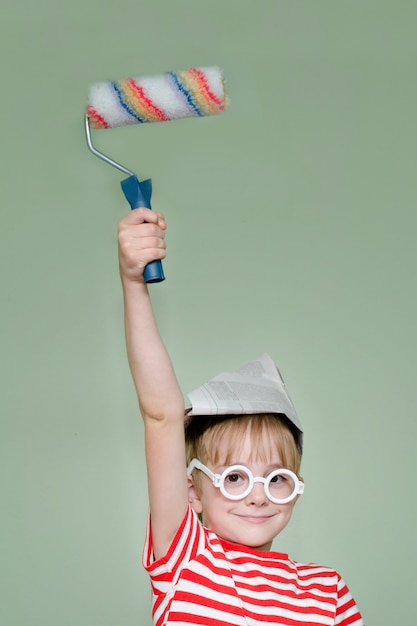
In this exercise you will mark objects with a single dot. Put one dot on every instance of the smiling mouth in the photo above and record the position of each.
(255, 519)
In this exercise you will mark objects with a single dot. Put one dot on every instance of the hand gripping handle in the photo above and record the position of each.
(138, 194)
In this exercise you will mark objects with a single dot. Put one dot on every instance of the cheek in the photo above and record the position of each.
(211, 517)
(287, 510)
(212, 501)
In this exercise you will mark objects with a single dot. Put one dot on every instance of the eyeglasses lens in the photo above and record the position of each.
(236, 482)
(280, 486)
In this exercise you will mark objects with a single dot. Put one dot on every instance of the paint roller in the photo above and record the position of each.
(195, 92)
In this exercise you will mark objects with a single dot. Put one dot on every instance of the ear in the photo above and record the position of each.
(193, 497)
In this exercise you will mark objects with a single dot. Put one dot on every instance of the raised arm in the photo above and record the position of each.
(141, 240)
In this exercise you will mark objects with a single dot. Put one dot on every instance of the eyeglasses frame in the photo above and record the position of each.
(218, 481)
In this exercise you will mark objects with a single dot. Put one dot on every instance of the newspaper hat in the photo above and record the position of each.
(257, 387)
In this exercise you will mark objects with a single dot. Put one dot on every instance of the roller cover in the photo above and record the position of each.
(194, 92)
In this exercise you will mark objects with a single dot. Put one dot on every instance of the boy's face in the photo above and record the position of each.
(254, 521)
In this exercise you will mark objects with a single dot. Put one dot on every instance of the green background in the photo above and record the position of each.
(291, 229)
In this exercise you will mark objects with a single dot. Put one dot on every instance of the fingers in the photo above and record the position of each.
(143, 223)
(141, 215)
(141, 239)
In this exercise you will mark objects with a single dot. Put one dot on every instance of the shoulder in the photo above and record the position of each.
(190, 539)
(315, 569)
(321, 576)
(329, 583)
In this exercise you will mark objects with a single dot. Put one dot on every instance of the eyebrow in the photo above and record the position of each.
(271, 467)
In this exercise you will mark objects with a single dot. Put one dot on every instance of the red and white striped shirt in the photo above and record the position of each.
(206, 581)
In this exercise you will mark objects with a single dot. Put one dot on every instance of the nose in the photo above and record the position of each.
(257, 496)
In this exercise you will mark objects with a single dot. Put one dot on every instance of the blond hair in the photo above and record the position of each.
(217, 440)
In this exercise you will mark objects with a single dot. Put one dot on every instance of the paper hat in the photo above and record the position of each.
(257, 387)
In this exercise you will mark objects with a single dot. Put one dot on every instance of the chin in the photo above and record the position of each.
(255, 541)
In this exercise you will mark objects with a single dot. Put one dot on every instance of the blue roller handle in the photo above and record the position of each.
(138, 194)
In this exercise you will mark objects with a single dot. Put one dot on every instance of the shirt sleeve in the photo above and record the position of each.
(347, 613)
(189, 541)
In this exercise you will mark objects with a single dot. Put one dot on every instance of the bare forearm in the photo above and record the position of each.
(158, 391)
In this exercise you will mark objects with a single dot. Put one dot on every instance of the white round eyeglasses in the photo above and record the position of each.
(237, 481)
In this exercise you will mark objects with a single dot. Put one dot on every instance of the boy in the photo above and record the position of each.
(219, 570)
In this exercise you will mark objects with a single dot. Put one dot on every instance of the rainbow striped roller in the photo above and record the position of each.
(194, 92)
